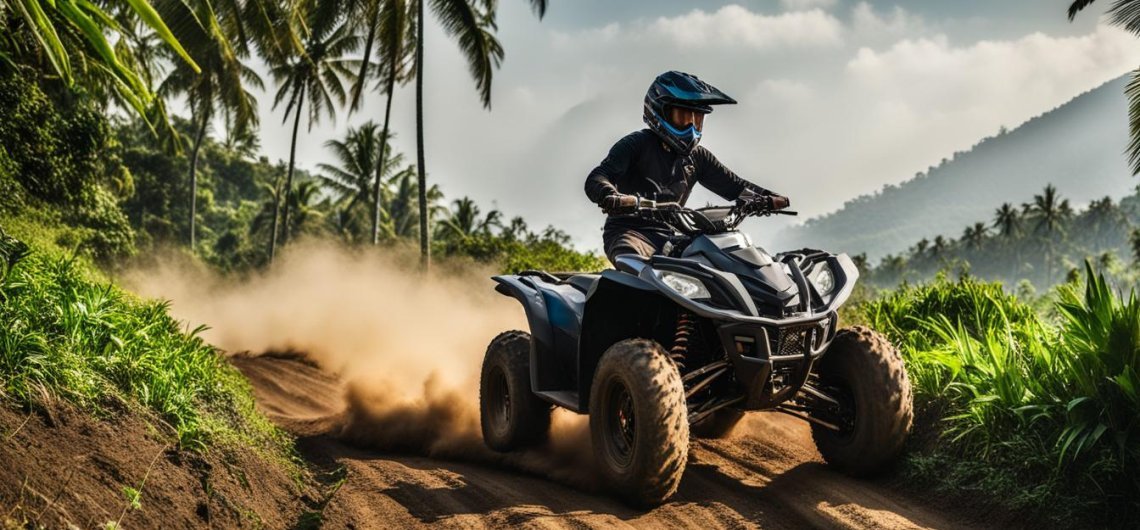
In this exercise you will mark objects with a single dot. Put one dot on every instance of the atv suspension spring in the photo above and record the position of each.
(686, 326)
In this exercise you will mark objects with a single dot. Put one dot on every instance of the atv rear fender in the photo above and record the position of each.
(618, 307)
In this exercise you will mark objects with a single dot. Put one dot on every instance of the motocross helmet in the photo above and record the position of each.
(680, 90)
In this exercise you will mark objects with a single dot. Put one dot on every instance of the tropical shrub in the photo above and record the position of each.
(1055, 403)
(63, 334)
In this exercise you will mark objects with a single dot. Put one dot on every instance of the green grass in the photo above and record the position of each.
(67, 333)
(1043, 413)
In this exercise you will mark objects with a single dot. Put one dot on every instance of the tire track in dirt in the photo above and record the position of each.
(767, 475)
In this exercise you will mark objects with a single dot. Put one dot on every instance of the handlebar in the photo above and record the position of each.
(699, 221)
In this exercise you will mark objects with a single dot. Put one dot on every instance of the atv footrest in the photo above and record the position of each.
(567, 399)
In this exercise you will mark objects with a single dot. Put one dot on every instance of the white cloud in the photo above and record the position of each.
(871, 27)
(803, 5)
(993, 76)
(789, 90)
(731, 27)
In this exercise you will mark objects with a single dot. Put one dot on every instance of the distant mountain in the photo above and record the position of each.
(1078, 147)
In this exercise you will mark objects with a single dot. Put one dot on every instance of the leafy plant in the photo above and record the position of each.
(1004, 387)
(52, 24)
(12, 250)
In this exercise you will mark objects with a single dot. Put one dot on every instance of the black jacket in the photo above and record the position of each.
(640, 164)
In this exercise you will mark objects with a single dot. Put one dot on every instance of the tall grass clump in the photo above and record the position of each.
(89, 343)
(1055, 405)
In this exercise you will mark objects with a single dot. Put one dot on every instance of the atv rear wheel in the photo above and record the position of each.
(639, 422)
(511, 415)
(717, 425)
(865, 373)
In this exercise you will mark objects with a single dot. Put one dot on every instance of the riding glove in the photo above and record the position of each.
(619, 203)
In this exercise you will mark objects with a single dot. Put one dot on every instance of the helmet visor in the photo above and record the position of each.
(682, 118)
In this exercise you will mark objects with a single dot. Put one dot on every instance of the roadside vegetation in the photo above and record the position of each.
(1032, 409)
(68, 336)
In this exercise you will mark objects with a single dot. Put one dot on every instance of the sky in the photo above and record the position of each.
(836, 97)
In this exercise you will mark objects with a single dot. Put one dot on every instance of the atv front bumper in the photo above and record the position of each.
(772, 362)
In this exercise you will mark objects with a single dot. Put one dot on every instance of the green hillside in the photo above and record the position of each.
(1077, 147)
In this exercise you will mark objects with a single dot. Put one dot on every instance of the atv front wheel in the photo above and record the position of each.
(511, 415)
(639, 422)
(865, 373)
(717, 425)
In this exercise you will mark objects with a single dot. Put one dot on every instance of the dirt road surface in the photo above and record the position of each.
(768, 475)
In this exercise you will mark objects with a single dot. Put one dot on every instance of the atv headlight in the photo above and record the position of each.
(685, 285)
(824, 282)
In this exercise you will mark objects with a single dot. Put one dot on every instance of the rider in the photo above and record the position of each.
(662, 163)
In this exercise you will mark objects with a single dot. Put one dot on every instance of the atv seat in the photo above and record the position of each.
(582, 282)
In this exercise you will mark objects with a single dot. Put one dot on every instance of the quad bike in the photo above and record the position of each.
(680, 345)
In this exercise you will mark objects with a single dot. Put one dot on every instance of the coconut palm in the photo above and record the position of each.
(1103, 220)
(939, 246)
(472, 24)
(315, 75)
(921, 246)
(219, 88)
(350, 178)
(66, 32)
(1134, 242)
(1007, 220)
(974, 235)
(464, 221)
(401, 205)
(389, 32)
(1049, 210)
(303, 201)
(1126, 14)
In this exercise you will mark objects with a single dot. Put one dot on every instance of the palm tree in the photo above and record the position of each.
(221, 85)
(1124, 13)
(351, 178)
(1103, 219)
(974, 235)
(401, 205)
(472, 24)
(302, 200)
(921, 246)
(1049, 210)
(1007, 220)
(939, 246)
(464, 222)
(62, 33)
(1134, 242)
(315, 75)
(389, 31)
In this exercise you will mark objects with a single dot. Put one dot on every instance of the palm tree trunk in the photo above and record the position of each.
(383, 152)
(276, 216)
(198, 137)
(425, 248)
(292, 160)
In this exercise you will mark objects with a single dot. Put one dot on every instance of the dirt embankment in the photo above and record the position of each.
(62, 468)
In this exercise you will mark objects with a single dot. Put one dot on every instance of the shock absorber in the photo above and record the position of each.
(686, 325)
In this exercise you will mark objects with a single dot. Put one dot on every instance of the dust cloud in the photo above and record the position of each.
(408, 346)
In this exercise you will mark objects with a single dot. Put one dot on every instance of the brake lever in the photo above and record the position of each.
(785, 212)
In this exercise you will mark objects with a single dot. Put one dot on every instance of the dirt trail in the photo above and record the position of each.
(766, 476)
